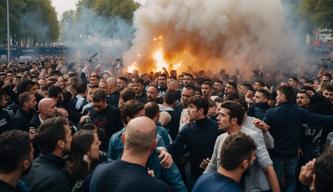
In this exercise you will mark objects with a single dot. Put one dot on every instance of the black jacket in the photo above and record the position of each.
(5, 121)
(47, 175)
(21, 120)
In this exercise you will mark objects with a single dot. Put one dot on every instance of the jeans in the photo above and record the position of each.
(286, 171)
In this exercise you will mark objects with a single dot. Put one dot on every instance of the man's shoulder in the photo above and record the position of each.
(215, 182)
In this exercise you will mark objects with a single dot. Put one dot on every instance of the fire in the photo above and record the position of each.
(132, 68)
(160, 62)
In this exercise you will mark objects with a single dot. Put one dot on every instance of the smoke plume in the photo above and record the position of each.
(213, 34)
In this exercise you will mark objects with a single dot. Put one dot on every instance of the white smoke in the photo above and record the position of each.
(213, 34)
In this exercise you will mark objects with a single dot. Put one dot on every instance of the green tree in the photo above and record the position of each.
(317, 13)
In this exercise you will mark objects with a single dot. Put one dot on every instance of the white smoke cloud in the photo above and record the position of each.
(214, 34)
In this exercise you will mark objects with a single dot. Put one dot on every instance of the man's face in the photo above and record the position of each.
(205, 90)
(223, 118)
(325, 80)
(193, 112)
(292, 82)
(121, 84)
(256, 86)
(242, 90)
(302, 99)
(229, 89)
(260, 97)
(328, 94)
(186, 96)
(218, 87)
(187, 80)
(138, 87)
(99, 106)
(93, 80)
(161, 81)
(51, 109)
(103, 86)
(10, 77)
(91, 91)
(31, 104)
(152, 93)
(280, 97)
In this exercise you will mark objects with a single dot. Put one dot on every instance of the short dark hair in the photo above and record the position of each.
(324, 171)
(15, 147)
(127, 94)
(218, 81)
(200, 103)
(25, 97)
(264, 92)
(208, 82)
(170, 97)
(54, 91)
(151, 109)
(288, 91)
(81, 88)
(50, 131)
(236, 148)
(329, 87)
(123, 79)
(98, 96)
(328, 75)
(248, 86)
(294, 78)
(131, 108)
(235, 110)
(138, 80)
(233, 84)
(164, 75)
(262, 84)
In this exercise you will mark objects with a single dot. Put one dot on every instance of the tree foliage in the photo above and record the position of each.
(317, 13)
(31, 21)
(121, 8)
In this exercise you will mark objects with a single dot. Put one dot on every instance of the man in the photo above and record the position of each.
(181, 108)
(245, 89)
(206, 89)
(139, 142)
(173, 85)
(187, 79)
(105, 116)
(5, 121)
(230, 119)
(122, 83)
(94, 79)
(15, 160)
(152, 94)
(230, 91)
(103, 86)
(162, 84)
(47, 109)
(23, 116)
(46, 173)
(197, 137)
(88, 107)
(258, 85)
(169, 102)
(54, 93)
(80, 100)
(293, 82)
(218, 88)
(260, 106)
(237, 158)
(285, 125)
(328, 92)
(138, 86)
(113, 97)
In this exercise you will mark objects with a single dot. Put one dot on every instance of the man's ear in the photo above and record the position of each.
(61, 144)
(26, 164)
(201, 110)
(245, 164)
(234, 121)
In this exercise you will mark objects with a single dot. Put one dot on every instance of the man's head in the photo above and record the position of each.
(122, 83)
(132, 109)
(152, 110)
(81, 89)
(230, 88)
(140, 136)
(293, 82)
(285, 93)
(261, 96)
(187, 79)
(206, 89)
(54, 136)
(3, 98)
(218, 86)
(198, 108)
(16, 152)
(328, 92)
(302, 98)
(99, 101)
(162, 80)
(138, 85)
(244, 88)
(258, 84)
(152, 93)
(27, 101)
(103, 86)
(94, 78)
(173, 85)
(186, 95)
(238, 153)
(231, 115)
(170, 98)
(47, 108)
(91, 90)
(112, 84)
(54, 92)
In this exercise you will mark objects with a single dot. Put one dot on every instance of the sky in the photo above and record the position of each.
(63, 5)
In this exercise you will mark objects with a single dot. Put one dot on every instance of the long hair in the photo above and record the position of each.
(76, 167)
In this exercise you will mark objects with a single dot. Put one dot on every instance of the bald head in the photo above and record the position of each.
(47, 107)
(112, 84)
(140, 135)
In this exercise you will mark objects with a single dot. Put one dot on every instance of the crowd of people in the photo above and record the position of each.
(79, 129)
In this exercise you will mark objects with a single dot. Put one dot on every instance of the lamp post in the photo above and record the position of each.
(8, 34)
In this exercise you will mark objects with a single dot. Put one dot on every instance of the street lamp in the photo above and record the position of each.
(8, 34)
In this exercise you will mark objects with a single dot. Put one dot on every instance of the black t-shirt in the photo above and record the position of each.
(121, 176)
